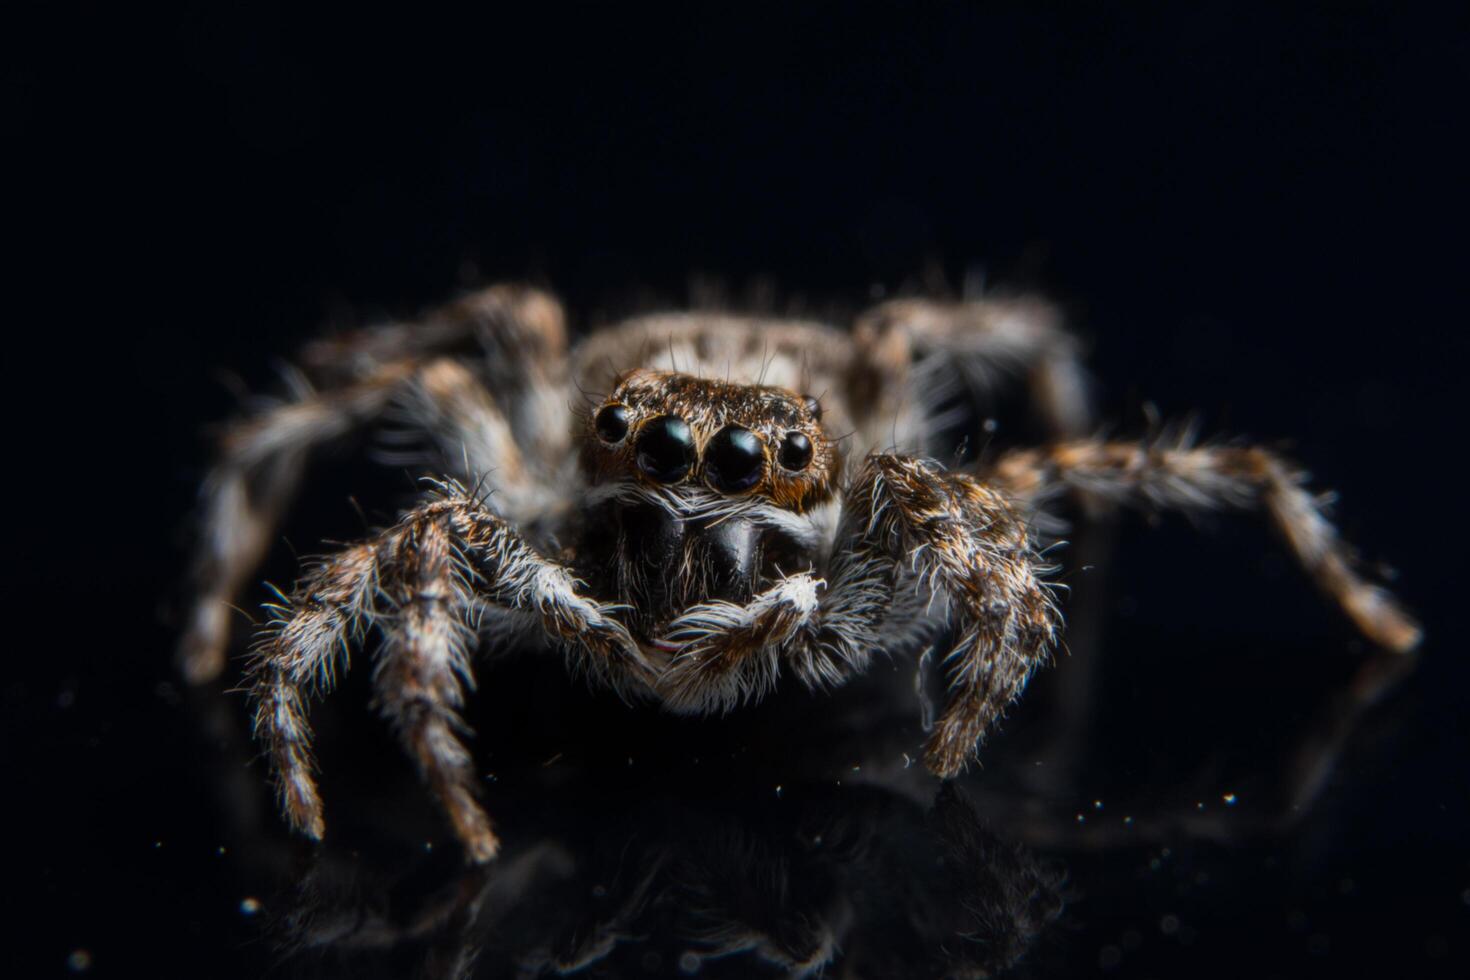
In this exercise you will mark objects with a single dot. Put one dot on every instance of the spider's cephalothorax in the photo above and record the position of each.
(733, 501)
(701, 490)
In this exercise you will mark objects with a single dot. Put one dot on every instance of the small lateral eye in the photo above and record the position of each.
(612, 423)
(796, 451)
(813, 407)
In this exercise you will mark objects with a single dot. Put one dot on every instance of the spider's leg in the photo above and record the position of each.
(473, 436)
(899, 341)
(982, 344)
(245, 495)
(264, 459)
(965, 544)
(421, 671)
(418, 582)
(1194, 478)
(519, 334)
(298, 659)
(525, 322)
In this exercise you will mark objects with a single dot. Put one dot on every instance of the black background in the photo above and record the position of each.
(1256, 214)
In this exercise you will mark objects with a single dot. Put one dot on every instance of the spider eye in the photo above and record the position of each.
(666, 449)
(796, 451)
(734, 460)
(813, 407)
(612, 423)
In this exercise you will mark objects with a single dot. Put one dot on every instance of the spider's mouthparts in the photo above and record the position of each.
(690, 559)
(660, 562)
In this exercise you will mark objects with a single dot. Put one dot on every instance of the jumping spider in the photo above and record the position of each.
(736, 498)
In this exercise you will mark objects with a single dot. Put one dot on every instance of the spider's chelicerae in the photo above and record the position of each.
(689, 506)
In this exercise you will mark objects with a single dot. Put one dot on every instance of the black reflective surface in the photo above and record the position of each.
(1255, 215)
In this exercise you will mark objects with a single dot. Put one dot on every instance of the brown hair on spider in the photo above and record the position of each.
(666, 429)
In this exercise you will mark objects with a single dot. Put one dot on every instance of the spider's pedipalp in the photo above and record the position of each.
(730, 653)
(1185, 477)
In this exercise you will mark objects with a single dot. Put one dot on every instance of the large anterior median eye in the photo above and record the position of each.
(666, 449)
(734, 460)
(611, 424)
(796, 451)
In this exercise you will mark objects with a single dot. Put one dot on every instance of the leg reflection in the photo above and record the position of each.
(789, 886)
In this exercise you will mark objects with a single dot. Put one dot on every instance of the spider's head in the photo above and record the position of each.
(703, 490)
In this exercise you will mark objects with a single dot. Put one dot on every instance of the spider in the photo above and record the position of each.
(732, 499)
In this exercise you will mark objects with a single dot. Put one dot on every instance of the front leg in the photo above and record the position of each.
(418, 583)
(965, 546)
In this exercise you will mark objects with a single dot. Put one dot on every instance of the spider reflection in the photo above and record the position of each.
(784, 886)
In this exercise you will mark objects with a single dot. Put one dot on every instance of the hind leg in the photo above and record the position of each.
(364, 375)
(525, 323)
(1186, 477)
(902, 342)
(245, 495)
